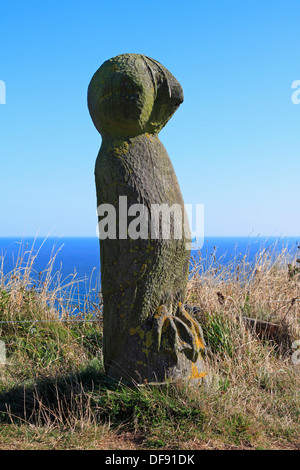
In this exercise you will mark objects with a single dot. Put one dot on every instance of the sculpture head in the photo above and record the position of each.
(132, 94)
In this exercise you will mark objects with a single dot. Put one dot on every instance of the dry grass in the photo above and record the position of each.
(53, 393)
(267, 289)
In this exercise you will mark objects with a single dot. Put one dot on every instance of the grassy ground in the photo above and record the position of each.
(54, 394)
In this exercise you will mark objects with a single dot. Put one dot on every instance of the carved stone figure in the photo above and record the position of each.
(148, 335)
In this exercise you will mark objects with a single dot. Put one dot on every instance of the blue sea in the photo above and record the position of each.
(78, 259)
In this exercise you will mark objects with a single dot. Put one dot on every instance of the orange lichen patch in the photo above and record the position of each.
(194, 326)
(158, 314)
(198, 341)
(188, 316)
(195, 374)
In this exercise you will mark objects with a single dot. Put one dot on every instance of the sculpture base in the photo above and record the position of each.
(165, 348)
(196, 374)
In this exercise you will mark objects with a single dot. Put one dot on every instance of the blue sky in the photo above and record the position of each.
(234, 142)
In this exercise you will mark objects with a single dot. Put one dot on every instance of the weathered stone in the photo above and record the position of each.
(148, 335)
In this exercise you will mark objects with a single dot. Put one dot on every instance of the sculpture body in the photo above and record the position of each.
(148, 336)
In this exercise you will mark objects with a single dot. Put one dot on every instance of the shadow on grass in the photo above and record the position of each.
(57, 398)
(88, 396)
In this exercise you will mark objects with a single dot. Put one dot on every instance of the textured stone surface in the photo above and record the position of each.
(148, 336)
